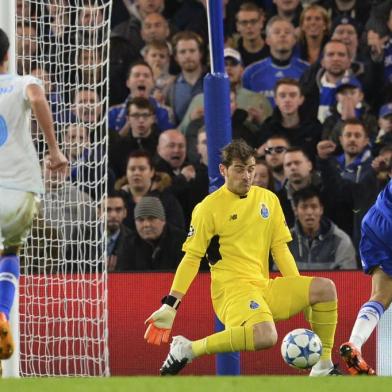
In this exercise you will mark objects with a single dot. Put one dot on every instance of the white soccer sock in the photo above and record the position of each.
(367, 319)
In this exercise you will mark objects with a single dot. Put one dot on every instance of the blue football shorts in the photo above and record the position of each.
(375, 247)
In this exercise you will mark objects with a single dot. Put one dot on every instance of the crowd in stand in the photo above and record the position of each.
(311, 92)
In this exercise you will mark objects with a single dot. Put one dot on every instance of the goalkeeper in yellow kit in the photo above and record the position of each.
(236, 227)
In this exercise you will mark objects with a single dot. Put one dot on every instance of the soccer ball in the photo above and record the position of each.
(301, 348)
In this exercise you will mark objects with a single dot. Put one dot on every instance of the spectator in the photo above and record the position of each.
(349, 177)
(357, 9)
(57, 106)
(241, 127)
(119, 250)
(192, 16)
(314, 29)
(319, 81)
(155, 28)
(262, 76)
(274, 150)
(289, 10)
(140, 83)
(189, 185)
(143, 180)
(155, 245)
(130, 30)
(64, 202)
(257, 106)
(299, 128)
(87, 109)
(250, 24)
(157, 56)
(142, 135)
(368, 72)
(77, 150)
(384, 136)
(349, 104)
(188, 53)
(318, 244)
(263, 175)
(298, 172)
(26, 46)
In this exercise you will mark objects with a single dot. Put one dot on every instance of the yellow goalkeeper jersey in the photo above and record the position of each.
(237, 234)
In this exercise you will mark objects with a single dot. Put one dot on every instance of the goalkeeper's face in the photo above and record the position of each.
(239, 175)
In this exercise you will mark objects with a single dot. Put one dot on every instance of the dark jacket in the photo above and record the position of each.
(331, 249)
(352, 194)
(306, 135)
(173, 210)
(188, 193)
(121, 146)
(332, 126)
(122, 248)
(163, 254)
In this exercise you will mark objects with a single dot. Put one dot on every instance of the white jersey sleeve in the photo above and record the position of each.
(20, 168)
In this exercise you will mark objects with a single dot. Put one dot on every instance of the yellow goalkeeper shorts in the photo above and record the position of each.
(281, 299)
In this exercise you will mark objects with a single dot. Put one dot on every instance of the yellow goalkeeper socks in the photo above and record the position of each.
(230, 340)
(324, 317)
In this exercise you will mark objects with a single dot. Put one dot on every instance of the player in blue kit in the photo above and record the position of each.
(376, 256)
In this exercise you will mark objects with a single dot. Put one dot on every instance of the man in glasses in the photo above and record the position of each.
(250, 23)
(142, 134)
(288, 119)
(274, 149)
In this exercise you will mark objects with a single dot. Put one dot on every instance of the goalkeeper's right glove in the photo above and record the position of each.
(161, 321)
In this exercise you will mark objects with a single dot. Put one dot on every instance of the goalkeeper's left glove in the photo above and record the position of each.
(161, 321)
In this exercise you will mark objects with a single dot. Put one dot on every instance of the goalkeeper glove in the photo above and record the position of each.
(161, 321)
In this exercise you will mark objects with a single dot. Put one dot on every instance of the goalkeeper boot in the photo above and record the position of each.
(6, 341)
(179, 355)
(354, 361)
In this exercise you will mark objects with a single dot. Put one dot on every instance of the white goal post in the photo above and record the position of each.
(62, 310)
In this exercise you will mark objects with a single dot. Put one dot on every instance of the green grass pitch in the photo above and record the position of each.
(205, 384)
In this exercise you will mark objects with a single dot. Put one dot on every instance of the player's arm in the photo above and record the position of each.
(279, 249)
(161, 321)
(284, 260)
(40, 107)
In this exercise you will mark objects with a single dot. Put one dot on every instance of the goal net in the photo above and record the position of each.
(63, 287)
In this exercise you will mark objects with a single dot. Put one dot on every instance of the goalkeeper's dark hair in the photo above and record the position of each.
(306, 193)
(237, 149)
(4, 45)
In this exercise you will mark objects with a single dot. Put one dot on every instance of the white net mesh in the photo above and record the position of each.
(63, 289)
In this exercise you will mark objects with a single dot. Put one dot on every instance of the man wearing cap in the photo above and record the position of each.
(155, 245)
(257, 106)
(384, 136)
(347, 30)
(349, 104)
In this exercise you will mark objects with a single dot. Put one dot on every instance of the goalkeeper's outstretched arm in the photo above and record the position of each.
(161, 321)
